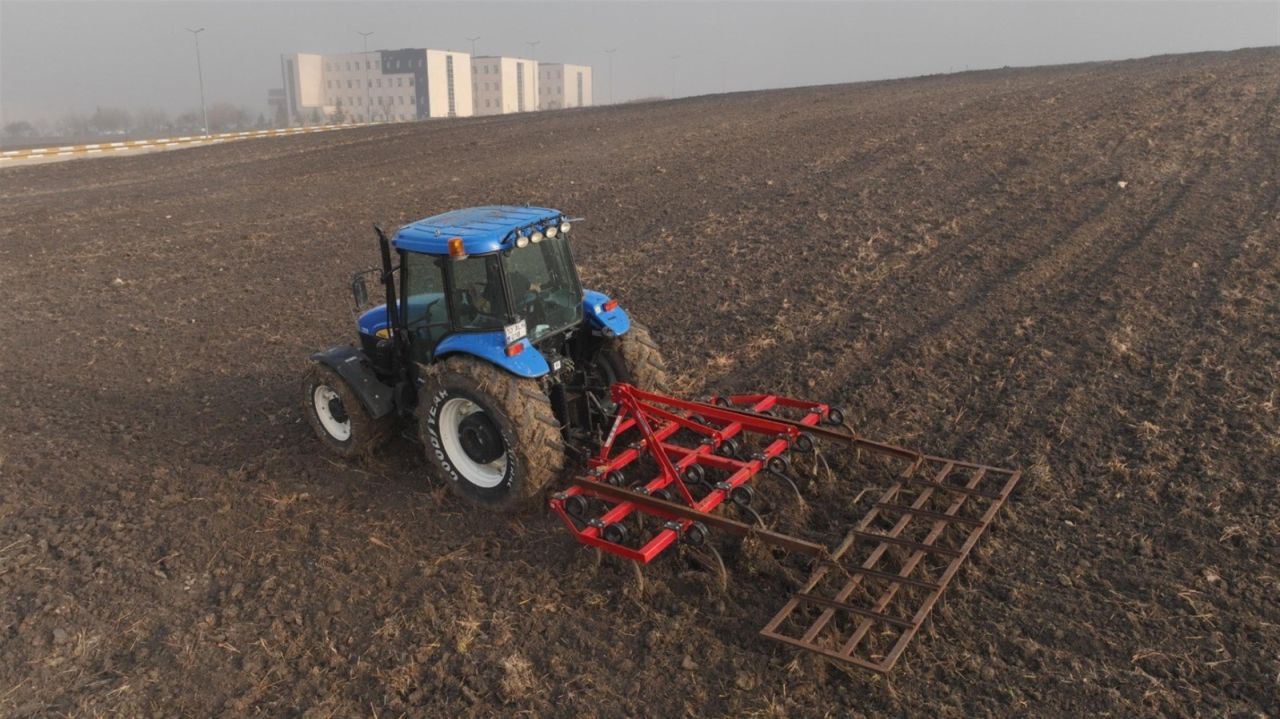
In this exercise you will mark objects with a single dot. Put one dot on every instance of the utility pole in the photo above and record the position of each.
(673, 75)
(200, 74)
(610, 54)
(473, 44)
(533, 49)
(368, 101)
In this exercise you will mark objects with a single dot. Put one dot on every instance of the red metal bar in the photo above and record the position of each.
(791, 402)
(658, 417)
(653, 443)
(673, 510)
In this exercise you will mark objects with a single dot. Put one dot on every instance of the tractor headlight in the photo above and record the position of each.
(536, 237)
(551, 231)
(522, 241)
(564, 227)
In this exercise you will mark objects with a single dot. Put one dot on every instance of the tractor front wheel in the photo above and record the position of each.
(491, 435)
(338, 417)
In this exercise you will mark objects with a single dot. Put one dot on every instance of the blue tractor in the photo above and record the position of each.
(489, 342)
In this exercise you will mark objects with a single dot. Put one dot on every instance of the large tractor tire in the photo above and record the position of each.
(339, 419)
(634, 358)
(491, 435)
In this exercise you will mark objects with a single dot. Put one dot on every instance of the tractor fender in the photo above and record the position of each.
(599, 318)
(491, 347)
(353, 366)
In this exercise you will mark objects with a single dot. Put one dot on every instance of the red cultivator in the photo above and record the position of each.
(667, 464)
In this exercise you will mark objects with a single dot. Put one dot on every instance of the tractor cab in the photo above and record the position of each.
(488, 342)
(494, 282)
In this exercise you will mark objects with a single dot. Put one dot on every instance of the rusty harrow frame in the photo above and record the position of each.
(866, 598)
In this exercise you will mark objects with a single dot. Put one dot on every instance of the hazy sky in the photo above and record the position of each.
(57, 57)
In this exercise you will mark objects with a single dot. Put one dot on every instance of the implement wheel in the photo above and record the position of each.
(337, 416)
(491, 435)
(634, 358)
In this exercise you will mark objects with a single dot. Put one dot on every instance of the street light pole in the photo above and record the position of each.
(368, 101)
(200, 74)
(610, 54)
(473, 44)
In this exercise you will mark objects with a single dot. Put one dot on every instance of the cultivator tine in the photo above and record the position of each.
(916, 535)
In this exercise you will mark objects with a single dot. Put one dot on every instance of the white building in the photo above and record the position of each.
(504, 84)
(563, 85)
(379, 86)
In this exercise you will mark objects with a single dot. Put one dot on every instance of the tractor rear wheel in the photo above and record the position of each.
(491, 435)
(634, 358)
(338, 417)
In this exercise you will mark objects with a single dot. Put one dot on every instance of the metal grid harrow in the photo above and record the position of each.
(910, 563)
(866, 598)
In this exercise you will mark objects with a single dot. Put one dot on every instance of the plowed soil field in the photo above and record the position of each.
(1073, 270)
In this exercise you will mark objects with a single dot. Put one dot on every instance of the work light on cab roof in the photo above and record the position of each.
(514, 373)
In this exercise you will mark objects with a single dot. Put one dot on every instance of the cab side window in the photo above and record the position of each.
(479, 300)
(427, 313)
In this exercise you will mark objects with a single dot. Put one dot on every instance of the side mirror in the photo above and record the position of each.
(359, 290)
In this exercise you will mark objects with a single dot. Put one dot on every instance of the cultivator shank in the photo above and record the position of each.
(668, 464)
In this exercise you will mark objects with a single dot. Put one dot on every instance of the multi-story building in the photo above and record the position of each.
(504, 84)
(278, 103)
(563, 85)
(379, 86)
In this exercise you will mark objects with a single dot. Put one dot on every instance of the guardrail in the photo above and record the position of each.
(167, 142)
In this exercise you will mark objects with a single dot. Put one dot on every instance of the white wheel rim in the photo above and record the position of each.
(486, 476)
(321, 396)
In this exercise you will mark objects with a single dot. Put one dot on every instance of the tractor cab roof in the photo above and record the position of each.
(482, 229)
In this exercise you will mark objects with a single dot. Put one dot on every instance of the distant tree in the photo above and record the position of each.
(189, 121)
(21, 128)
(339, 114)
(261, 122)
(111, 120)
(152, 120)
(316, 117)
(75, 125)
(224, 117)
(282, 116)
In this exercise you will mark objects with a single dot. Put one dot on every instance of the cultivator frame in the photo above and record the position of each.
(915, 548)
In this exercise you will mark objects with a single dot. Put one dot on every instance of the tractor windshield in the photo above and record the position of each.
(544, 286)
